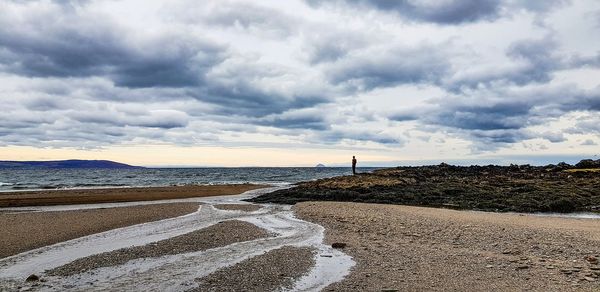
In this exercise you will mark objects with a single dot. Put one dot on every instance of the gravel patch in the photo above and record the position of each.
(238, 207)
(270, 271)
(402, 248)
(217, 235)
(21, 232)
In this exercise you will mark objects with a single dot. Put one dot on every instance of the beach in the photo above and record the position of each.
(404, 248)
(28, 230)
(194, 244)
(221, 243)
(112, 195)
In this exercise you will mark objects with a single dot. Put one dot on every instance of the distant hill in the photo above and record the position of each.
(320, 165)
(65, 164)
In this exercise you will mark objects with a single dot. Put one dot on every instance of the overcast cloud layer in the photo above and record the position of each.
(423, 78)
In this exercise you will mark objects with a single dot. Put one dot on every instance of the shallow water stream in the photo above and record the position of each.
(174, 272)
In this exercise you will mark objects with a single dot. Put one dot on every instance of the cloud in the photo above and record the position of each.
(450, 12)
(388, 67)
(164, 119)
(331, 45)
(304, 119)
(251, 18)
(443, 12)
(531, 60)
(353, 136)
(589, 142)
(493, 118)
(345, 73)
(76, 45)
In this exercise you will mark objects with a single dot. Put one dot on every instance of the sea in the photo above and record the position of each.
(12, 180)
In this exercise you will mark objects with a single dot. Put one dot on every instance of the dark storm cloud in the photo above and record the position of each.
(493, 118)
(394, 66)
(532, 61)
(493, 139)
(243, 98)
(307, 119)
(331, 45)
(538, 59)
(86, 80)
(405, 116)
(501, 116)
(450, 12)
(164, 119)
(443, 12)
(77, 47)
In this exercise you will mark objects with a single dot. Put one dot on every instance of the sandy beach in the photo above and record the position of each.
(402, 248)
(111, 195)
(28, 230)
(232, 246)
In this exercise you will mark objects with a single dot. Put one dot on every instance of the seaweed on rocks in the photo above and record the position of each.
(515, 188)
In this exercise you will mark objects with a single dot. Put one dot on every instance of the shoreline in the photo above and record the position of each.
(116, 195)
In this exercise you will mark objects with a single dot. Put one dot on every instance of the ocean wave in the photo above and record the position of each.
(5, 184)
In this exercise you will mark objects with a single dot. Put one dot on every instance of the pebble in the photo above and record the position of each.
(32, 278)
(592, 260)
(338, 245)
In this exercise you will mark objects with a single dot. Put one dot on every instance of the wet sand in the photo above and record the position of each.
(217, 235)
(24, 231)
(238, 207)
(402, 248)
(112, 195)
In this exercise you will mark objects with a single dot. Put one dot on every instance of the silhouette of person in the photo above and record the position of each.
(353, 165)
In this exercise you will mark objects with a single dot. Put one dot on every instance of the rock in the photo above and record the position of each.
(592, 260)
(588, 163)
(32, 278)
(489, 266)
(338, 245)
(522, 267)
(589, 279)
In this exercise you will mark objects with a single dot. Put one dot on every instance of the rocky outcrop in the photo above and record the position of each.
(515, 188)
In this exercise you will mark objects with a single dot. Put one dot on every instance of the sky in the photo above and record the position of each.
(300, 82)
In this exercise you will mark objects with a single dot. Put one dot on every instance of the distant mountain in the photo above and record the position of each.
(320, 165)
(65, 164)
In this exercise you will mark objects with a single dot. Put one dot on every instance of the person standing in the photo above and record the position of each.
(353, 165)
